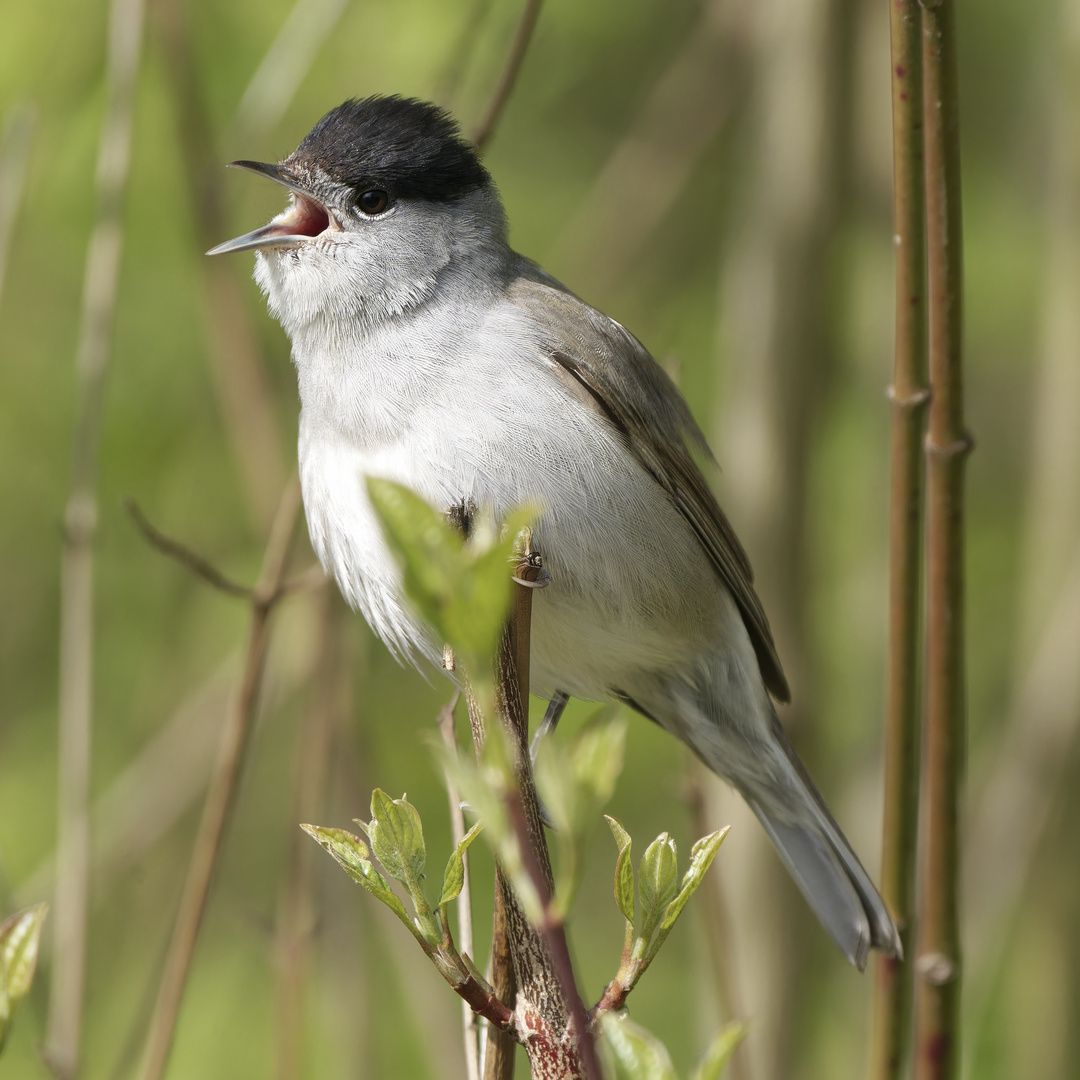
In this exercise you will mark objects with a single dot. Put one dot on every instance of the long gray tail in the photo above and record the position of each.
(821, 861)
(777, 787)
(835, 885)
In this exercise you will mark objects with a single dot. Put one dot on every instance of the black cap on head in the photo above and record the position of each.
(411, 148)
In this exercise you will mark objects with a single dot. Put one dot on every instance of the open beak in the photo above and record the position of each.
(305, 218)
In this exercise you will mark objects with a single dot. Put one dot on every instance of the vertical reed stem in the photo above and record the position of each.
(100, 288)
(937, 995)
(908, 394)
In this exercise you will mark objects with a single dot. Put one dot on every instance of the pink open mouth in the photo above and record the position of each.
(307, 217)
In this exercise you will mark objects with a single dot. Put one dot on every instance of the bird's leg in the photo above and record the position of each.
(547, 727)
(550, 722)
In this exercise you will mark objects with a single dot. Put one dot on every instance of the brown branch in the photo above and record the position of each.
(937, 995)
(220, 797)
(100, 288)
(505, 87)
(309, 580)
(909, 396)
(296, 918)
(553, 931)
(314, 577)
(201, 567)
(549, 1005)
(500, 1048)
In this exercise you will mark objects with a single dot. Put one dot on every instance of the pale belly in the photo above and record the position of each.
(631, 589)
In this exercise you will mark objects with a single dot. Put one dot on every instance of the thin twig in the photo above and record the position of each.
(220, 797)
(152, 792)
(909, 397)
(100, 287)
(937, 994)
(314, 577)
(471, 1032)
(309, 580)
(295, 922)
(201, 567)
(505, 87)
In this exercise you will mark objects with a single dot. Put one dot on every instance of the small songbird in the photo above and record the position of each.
(430, 353)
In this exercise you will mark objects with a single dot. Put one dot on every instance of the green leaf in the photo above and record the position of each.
(575, 781)
(485, 786)
(701, 857)
(463, 589)
(657, 882)
(352, 855)
(397, 839)
(454, 874)
(427, 547)
(622, 837)
(719, 1053)
(597, 760)
(20, 935)
(482, 602)
(624, 870)
(637, 1054)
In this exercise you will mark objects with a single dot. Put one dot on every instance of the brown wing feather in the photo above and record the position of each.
(604, 365)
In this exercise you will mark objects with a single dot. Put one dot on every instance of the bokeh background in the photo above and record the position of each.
(714, 174)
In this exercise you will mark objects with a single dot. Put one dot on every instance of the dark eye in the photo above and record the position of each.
(373, 202)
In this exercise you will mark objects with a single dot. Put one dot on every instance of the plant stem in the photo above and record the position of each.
(100, 287)
(937, 995)
(296, 916)
(500, 1047)
(505, 87)
(220, 798)
(470, 1030)
(909, 396)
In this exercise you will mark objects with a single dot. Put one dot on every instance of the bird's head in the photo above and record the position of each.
(386, 195)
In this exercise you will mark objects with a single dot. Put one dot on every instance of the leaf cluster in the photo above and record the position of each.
(660, 897)
(396, 836)
(20, 936)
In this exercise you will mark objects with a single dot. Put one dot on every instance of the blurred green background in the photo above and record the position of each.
(714, 174)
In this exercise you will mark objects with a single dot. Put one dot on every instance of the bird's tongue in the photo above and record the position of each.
(304, 218)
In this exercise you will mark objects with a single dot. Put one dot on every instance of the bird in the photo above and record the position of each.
(430, 353)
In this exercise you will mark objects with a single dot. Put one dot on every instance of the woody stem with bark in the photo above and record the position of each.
(909, 396)
(937, 995)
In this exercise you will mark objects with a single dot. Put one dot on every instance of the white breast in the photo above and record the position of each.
(476, 414)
